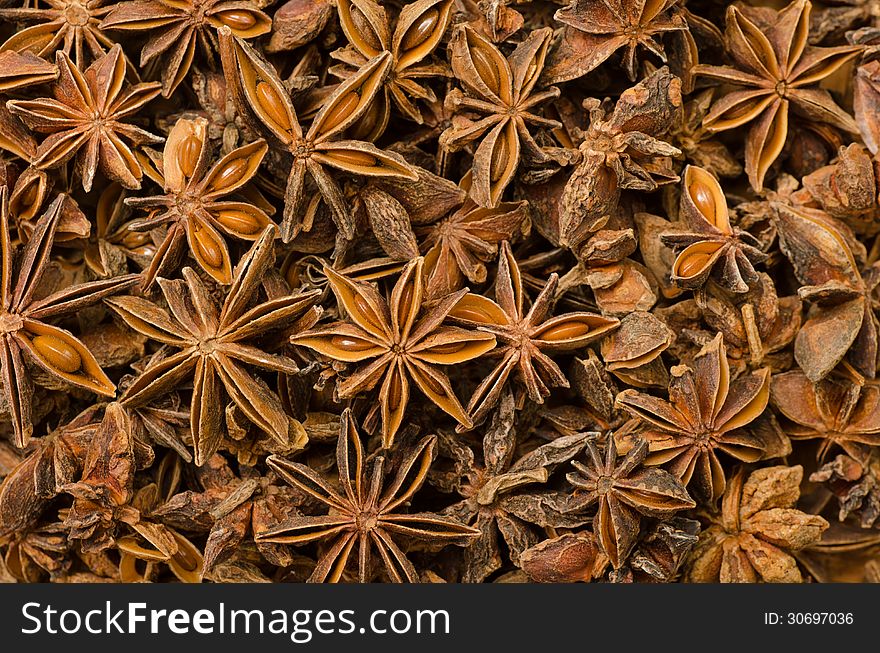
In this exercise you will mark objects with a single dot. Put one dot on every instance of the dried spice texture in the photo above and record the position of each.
(459, 291)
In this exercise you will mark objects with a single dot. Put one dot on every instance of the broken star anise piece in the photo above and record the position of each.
(366, 513)
(710, 242)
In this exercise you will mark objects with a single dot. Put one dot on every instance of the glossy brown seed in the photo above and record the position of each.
(238, 221)
(366, 311)
(343, 109)
(486, 67)
(395, 392)
(208, 249)
(471, 313)
(188, 154)
(566, 331)
(350, 344)
(451, 348)
(500, 159)
(58, 353)
(272, 103)
(693, 264)
(701, 194)
(360, 159)
(237, 19)
(230, 174)
(419, 32)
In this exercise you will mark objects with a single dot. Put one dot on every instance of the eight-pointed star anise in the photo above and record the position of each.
(174, 27)
(215, 349)
(85, 119)
(402, 339)
(71, 26)
(624, 491)
(25, 332)
(706, 412)
(420, 27)
(778, 70)
(502, 90)
(367, 513)
(193, 204)
(524, 336)
(258, 90)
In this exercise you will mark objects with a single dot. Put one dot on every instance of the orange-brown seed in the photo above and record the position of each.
(58, 353)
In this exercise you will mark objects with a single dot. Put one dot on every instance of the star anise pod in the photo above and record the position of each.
(402, 339)
(758, 528)
(24, 321)
(596, 29)
(706, 413)
(620, 150)
(524, 336)
(709, 242)
(502, 93)
(623, 492)
(827, 259)
(85, 119)
(258, 90)
(194, 205)
(418, 31)
(837, 410)
(72, 26)
(214, 347)
(174, 29)
(366, 512)
(777, 70)
(458, 246)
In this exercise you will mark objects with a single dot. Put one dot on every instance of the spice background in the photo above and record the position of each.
(446, 291)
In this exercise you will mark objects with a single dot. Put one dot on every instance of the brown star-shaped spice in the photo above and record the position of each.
(776, 69)
(402, 340)
(72, 26)
(193, 205)
(85, 119)
(752, 538)
(837, 410)
(596, 29)
(174, 29)
(418, 31)
(622, 492)
(502, 91)
(524, 336)
(709, 241)
(706, 412)
(25, 331)
(367, 511)
(214, 347)
(258, 92)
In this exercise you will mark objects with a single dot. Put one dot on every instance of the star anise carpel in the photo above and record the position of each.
(397, 341)
(775, 74)
(367, 513)
(216, 347)
(28, 336)
(259, 91)
(85, 119)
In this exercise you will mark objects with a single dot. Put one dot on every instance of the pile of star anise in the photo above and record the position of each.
(439, 291)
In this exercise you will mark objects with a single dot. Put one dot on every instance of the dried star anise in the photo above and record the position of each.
(366, 513)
